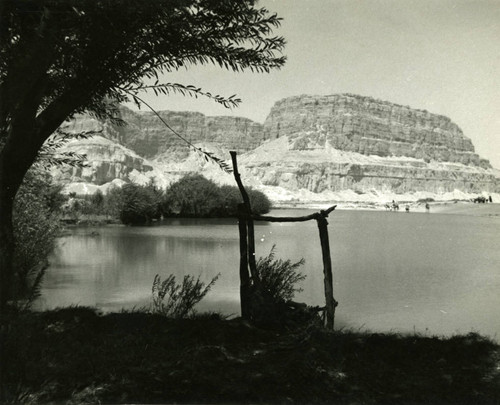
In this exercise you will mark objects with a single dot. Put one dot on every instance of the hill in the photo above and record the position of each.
(310, 148)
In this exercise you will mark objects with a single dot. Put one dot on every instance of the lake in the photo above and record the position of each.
(431, 273)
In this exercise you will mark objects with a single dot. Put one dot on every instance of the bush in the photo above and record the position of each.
(193, 196)
(180, 298)
(36, 226)
(279, 277)
(271, 304)
(259, 202)
(140, 204)
(231, 197)
(196, 196)
(113, 202)
(97, 199)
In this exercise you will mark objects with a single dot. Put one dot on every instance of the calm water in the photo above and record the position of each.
(430, 273)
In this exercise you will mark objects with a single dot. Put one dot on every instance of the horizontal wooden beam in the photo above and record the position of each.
(316, 215)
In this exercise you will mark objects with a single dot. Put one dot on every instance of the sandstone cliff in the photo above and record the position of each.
(106, 159)
(318, 169)
(370, 127)
(146, 135)
(308, 144)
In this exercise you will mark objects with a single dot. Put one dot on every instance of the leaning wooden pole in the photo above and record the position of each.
(244, 276)
(327, 269)
(249, 221)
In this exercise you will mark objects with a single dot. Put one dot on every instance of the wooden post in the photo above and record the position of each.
(247, 249)
(244, 276)
(251, 252)
(249, 220)
(327, 270)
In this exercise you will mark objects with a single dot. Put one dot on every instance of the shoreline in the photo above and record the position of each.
(460, 207)
(455, 207)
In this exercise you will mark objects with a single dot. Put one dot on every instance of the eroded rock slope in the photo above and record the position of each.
(315, 144)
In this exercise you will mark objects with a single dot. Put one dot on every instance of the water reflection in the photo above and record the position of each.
(392, 271)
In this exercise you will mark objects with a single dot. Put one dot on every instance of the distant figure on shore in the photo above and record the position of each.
(489, 198)
(407, 208)
(427, 207)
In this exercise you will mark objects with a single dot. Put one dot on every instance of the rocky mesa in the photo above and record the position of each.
(370, 127)
(308, 148)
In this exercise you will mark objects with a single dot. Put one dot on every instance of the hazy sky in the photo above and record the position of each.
(438, 55)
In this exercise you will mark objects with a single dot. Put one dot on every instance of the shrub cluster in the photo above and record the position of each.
(271, 302)
(191, 196)
(196, 196)
(109, 204)
(279, 277)
(36, 224)
(140, 204)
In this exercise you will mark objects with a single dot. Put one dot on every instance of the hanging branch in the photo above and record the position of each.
(51, 155)
(208, 156)
(168, 88)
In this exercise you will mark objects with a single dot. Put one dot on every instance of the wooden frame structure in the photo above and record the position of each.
(247, 249)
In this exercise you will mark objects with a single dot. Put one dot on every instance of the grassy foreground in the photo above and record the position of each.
(76, 356)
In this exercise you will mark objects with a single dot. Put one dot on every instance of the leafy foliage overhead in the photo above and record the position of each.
(97, 53)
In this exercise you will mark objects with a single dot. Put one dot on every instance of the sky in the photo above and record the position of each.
(439, 55)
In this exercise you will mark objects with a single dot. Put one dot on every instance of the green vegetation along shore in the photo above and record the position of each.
(77, 356)
(193, 196)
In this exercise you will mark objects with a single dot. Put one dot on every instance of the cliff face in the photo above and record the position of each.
(146, 135)
(147, 146)
(339, 142)
(318, 169)
(106, 161)
(314, 143)
(370, 127)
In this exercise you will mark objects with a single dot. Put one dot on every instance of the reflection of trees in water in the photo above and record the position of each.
(385, 267)
(125, 263)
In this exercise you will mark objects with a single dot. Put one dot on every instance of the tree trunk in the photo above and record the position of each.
(27, 132)
(23, 142)
(14, 164)
(6, 243)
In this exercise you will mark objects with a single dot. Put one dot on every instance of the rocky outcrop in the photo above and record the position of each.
(146, 135)
(311, 144)
(278, 163)
(105, 161)
(370, 127)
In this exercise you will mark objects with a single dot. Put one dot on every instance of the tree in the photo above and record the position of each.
(259, 202)
(113, 202)
(97, 199)
(61, 57)
(140, 204)
(193, 195)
